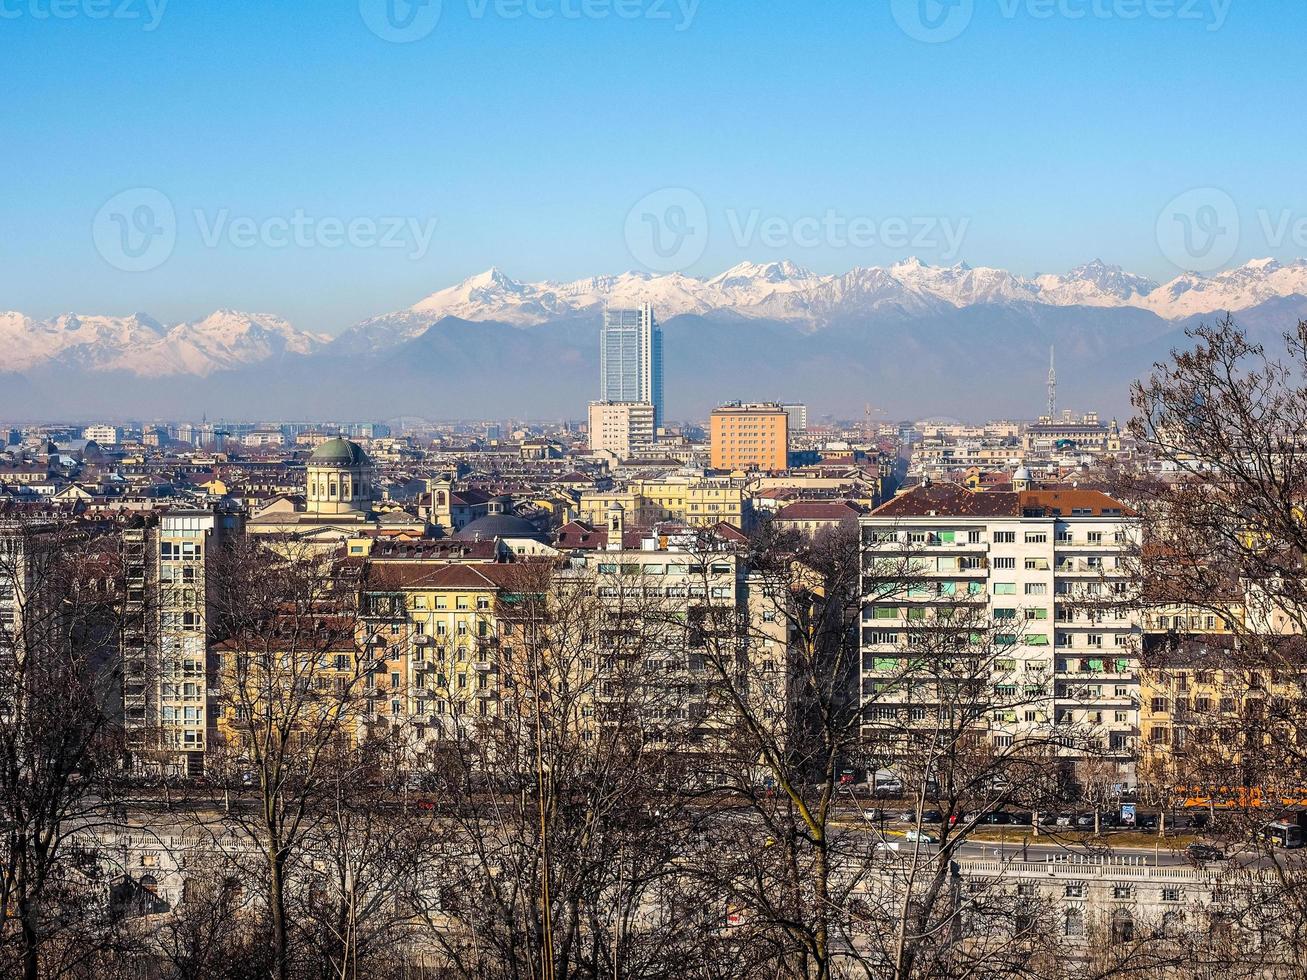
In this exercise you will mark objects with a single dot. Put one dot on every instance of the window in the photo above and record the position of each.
(1074, 890)
(1005, 537)
(1005, 588)
(1036, 537)
(973, 537)
(1036, 588)
(1005, 563)
(1075, 922)
(1123, 926)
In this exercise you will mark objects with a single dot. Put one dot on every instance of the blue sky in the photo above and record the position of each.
(1047, 132)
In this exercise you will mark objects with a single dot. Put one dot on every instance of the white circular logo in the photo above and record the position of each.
(400, 21)
(1199, 230)
(136, 231)
(932, 21)
(667, 231)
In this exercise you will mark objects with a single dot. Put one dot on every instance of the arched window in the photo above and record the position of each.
(1123, 926)
(1172, 924)
(1075, 922)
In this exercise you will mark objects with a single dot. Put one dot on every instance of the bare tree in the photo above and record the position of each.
(293, 676)
(567, 827)
(61, 600)
(1222, 559)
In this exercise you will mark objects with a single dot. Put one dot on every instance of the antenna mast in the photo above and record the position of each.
(1052, 386)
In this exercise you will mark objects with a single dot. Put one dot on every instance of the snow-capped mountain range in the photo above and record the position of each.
(786, 292)
(141, 345)
(774, 291)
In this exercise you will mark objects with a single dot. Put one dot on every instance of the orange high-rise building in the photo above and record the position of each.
(750, 437)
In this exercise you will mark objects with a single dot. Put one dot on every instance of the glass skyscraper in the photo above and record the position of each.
(631, 359)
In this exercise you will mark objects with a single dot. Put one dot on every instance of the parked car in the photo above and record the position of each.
(997, 817)
(1021, 819)
(1064, 820)
(1199, 853)
(927, 816)
(915, 836)
(1085, 821)
(874, 815)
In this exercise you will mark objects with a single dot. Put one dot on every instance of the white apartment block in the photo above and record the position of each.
(167, 695)
(104, 435)
(1047, 562)
(621, 427)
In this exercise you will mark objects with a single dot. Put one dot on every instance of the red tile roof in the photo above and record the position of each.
(949, 499)
(819, 510)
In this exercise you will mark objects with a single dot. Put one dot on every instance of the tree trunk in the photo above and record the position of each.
(822, 932)
(277, 914)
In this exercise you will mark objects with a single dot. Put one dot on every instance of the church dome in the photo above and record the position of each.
(339, 452)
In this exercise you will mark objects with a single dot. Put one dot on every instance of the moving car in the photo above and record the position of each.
(915, 836)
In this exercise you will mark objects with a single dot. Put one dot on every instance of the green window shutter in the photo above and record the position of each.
(946, 537)
(887, 663)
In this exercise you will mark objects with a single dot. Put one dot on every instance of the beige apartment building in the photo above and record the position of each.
(750, 436)
(696, 501)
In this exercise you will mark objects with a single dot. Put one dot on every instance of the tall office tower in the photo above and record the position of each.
(631, 359)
